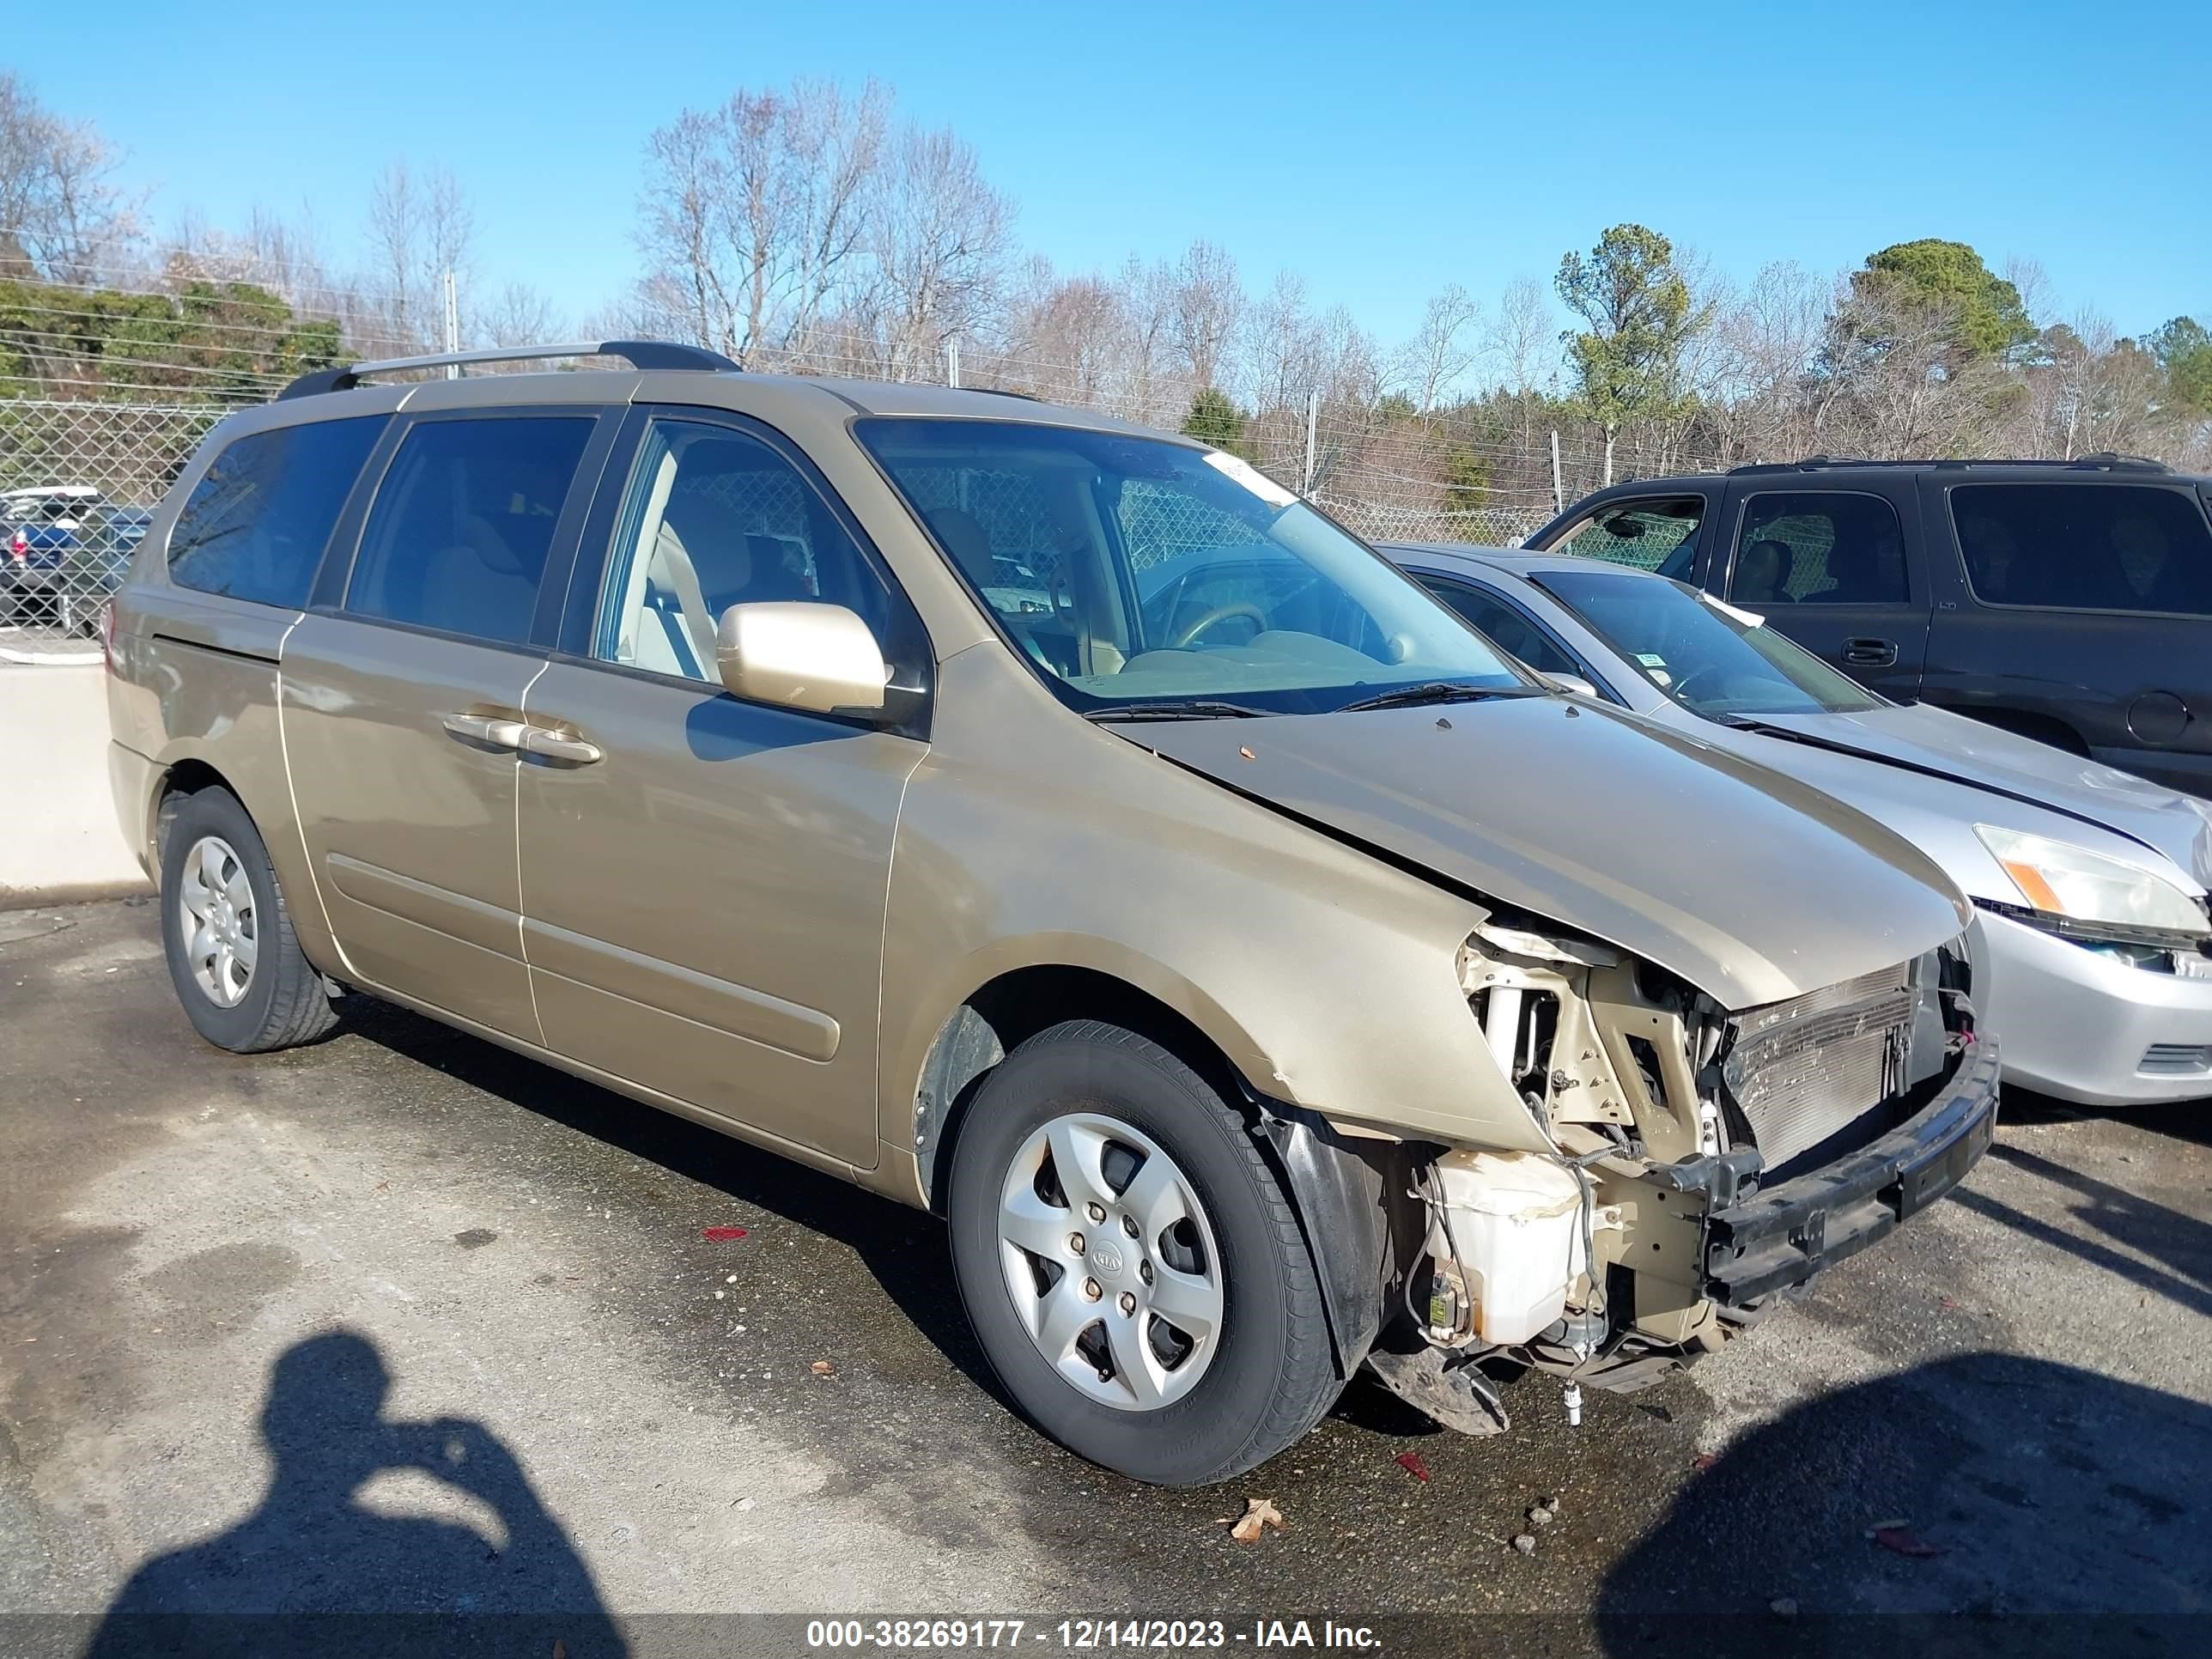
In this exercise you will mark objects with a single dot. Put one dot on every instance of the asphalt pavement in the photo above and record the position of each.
(403, 1323)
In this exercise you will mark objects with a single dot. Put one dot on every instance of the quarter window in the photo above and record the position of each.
(463, 522)
(714, 518)
(2085, 547)
(1818, 548)
(255, 526)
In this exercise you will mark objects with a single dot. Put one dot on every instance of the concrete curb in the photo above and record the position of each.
(55, 658)
(79, 892)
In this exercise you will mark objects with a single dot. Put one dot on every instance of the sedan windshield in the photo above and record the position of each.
(1135, 571)
(1706, 656)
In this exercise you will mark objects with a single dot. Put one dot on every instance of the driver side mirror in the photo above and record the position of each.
(1575, 684)
(797, 654)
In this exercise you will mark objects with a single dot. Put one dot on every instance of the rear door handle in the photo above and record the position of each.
(487, 729)
(559, 746)
(1870, 653)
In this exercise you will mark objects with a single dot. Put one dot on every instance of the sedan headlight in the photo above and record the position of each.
(2063, 880)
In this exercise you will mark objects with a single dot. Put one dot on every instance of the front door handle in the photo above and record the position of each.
(559, 746)
(487, 729)
(1870, 653)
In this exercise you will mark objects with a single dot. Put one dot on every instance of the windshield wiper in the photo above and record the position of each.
(1198, 709)
(1434, 691)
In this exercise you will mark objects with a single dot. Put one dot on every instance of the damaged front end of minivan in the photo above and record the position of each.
(1701, 1163)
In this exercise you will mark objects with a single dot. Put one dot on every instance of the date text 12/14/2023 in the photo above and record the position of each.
(1084, 1635)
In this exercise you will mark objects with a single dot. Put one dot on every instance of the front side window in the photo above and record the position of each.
(256, 524)
(1132, 570)
(1818, 548)
(716, 518)
(2086, 547)
(462, 524)
(1657, 533)
(1700, 653)
(1506, 627)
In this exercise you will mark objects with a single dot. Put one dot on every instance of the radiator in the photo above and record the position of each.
(1811, 1067)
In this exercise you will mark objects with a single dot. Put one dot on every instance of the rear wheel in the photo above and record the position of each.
(1136, 1278)
(244, 984)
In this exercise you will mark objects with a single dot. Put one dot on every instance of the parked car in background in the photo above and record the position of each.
(2097, 942)
(2070, 601)
(1054, 823)
(64, 549)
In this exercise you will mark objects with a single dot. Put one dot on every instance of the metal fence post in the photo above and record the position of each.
(952, 360)
(1313, 421)
(452, 324)
(1558, 495)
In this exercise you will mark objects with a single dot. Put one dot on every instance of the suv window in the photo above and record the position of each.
(2085, 547)
(1659, 533)
(715, 518)
(1503, 625)
(1818, 548)
(255, 526)
(462, 523)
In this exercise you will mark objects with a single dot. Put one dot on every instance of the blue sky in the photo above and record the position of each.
(1381, 149)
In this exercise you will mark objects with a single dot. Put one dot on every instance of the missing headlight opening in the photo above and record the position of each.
(1595, 1260)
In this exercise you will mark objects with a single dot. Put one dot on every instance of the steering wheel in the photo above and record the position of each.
(1220, 613)
(1682, 686)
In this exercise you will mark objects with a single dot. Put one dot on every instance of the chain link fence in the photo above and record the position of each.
(79, 479)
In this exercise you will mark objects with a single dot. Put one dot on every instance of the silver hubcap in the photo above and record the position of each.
(215, 908)
(1110, 1262)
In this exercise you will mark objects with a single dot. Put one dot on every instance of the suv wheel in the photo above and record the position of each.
(238, 969)
(1136, 1278)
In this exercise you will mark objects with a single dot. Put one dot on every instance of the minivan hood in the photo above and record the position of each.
(1751, 886)
(1968, 752)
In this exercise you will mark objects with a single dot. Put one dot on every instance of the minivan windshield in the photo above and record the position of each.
(1143, 575)
(1705, 655)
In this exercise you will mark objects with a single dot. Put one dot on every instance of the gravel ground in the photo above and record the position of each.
(402, 1321)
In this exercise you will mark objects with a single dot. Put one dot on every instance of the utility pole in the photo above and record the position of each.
(1313, 421)
(452, 324)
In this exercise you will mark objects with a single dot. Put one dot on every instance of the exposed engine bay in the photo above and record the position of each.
(1612, 1259)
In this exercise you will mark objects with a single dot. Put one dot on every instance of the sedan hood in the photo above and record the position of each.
(1751, 886)
(1967, 752)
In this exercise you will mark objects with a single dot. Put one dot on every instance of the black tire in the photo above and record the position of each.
(284, 1003)
(1273, 1375)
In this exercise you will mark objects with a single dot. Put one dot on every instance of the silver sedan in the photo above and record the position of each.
(2089, 883)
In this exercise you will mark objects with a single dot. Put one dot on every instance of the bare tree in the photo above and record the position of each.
(62, 215)
(1522, 343)
(519, 316)
(942, 234)
(1436, 358)
(421, 228)
(1208, 305)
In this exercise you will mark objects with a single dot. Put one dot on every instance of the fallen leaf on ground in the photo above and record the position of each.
(1704, 1462)
(1410, 1462)
(718, 1234)
(1258, 1513)
(1898, 1524)
(823, 1368)
(1901, 1542)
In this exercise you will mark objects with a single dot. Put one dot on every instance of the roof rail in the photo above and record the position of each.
(1810, 464)
(639, 354)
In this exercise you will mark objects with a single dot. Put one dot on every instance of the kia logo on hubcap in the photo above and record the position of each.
(1106, 1258)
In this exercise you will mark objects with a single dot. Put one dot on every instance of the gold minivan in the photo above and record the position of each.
(1054, 823)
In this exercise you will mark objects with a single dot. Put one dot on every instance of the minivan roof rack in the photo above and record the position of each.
(639, 354)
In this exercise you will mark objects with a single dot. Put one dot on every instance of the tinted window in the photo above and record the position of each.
(254, 527)
(1503, 625)
(716, 518)
(463, 520)
(2086, 547)
(1819, 549)
(1658, 534)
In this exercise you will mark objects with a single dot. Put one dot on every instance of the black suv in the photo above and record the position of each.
(2070, 601)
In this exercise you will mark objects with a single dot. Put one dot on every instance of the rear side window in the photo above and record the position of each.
(255, 527)
(1656, 534)
(2085, 547)
(457, 537)
(1818, 547)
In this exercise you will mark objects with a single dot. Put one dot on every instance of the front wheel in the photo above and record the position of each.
(1134, 1273)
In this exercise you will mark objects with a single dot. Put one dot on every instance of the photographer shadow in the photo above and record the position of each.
(312, 1569)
